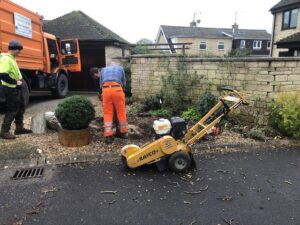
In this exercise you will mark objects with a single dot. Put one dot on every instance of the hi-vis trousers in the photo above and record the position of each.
(113, 97)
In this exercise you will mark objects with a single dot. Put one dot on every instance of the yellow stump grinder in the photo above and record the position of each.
(173, 148)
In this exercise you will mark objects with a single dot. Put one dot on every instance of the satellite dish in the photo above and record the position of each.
(198, 21)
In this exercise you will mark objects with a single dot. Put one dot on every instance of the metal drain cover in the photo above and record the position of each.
(28, 173)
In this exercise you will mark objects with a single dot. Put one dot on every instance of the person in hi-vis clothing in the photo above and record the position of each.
(12, 81)
(112, 82)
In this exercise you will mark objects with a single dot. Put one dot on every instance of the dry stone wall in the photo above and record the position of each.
(260, 79)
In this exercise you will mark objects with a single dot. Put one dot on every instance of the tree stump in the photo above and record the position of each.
(74, 138)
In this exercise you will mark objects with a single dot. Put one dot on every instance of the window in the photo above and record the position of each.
(256, 45)
(243, 44)
(221, 45)
(268, 44)
(289, 19)
(203, 45)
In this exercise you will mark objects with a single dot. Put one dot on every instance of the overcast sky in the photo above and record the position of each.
(136, 19)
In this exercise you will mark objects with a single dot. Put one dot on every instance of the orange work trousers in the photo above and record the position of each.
(113, 97)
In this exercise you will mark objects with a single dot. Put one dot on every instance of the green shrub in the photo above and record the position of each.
(140, 50)
(135, 108)
(206, 101)
(240, 52)
(161, 112)
(152, 103)
(176, 86)
(285, 114)
(75, 113)
(128, 100)
(256, 133)
(127, 70)
(191, 114)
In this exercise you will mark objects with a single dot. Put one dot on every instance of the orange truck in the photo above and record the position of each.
(45, 61)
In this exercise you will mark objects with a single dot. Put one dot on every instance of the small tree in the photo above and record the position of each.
(206, 101)
(140, 49)
(176, 85)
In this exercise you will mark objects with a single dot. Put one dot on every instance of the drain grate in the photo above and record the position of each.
(28, 173)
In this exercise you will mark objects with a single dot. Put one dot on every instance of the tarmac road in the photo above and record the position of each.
(255, 188)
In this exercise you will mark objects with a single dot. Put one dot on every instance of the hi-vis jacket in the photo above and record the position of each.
(9, 65)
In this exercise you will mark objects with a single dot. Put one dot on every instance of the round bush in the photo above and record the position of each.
(75, 113)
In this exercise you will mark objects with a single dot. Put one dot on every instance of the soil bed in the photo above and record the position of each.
(49, 146)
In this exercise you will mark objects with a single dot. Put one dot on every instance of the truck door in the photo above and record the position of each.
(70, 55)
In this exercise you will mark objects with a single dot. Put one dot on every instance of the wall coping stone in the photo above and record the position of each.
(229, 59)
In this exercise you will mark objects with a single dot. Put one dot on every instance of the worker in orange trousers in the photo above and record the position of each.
(112, 83)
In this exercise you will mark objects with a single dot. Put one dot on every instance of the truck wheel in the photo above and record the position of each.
(62, 86)
(25, 93)
(179, 161)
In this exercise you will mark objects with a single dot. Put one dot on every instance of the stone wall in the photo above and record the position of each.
(260, 79)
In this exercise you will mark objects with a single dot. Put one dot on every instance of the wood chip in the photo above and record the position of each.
(222, 171)
(196, 192)
(225, 198)
(173, 182)
(50, 189)
(229, 222)
(109, 192)
(288, 182)
(32, 212)
(203, 201)
(186, 202)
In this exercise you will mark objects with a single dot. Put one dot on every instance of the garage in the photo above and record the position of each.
(98, 45)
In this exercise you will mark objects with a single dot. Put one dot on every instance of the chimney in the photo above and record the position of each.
(235, 28)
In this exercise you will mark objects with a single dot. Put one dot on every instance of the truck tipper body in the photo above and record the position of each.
(45, 61)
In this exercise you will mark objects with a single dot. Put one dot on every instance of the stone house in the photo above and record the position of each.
(97, 44)
(286, 29)
(207, 42)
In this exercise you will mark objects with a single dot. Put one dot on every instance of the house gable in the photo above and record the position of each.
(285, 38)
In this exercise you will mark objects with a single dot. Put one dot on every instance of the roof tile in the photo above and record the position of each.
(204, 32)
(77, 24)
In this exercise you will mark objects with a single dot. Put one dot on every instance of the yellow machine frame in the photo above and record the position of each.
(134, 156)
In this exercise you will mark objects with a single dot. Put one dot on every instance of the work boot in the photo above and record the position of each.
(21, 130)
(109, 140)
(7, 135)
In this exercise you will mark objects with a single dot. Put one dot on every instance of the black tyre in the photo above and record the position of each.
(25, 93)
(62, 86)
(179, 161)
(124, 161)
